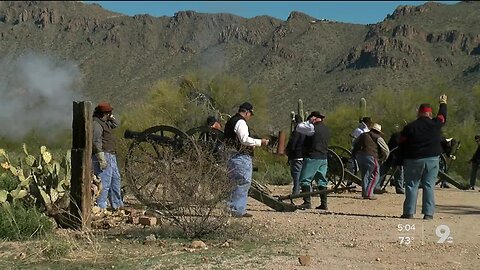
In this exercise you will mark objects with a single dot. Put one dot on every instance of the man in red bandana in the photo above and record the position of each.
(420, 149)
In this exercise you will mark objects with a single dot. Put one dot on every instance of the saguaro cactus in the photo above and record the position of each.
(363, 108)
(301, 113)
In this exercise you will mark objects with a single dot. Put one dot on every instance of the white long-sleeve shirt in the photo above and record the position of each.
(306, 128)
(362, 128)
(241, 129)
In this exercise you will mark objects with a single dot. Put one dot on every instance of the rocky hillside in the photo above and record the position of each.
(317, 60)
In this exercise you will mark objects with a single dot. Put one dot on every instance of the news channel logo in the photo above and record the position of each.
(408, 234)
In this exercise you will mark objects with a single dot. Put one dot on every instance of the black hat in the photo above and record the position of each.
(366, 120)
(477, 137)
(315, 114)
(211, 120)
(246, 106)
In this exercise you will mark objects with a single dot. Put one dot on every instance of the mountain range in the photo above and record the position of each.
(320, 61)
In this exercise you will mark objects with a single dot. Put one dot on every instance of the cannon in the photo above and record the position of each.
(153, 152)
(150, 155)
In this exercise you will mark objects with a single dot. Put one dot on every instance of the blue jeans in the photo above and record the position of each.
(240, 170)
(314, 169)
(370, 171)
(424, 171)
(295, 169)
(111, 182)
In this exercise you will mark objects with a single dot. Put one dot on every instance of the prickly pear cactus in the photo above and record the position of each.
(41, 179)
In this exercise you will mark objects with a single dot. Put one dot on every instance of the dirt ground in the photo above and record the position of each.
(364, 234)
(353, 234)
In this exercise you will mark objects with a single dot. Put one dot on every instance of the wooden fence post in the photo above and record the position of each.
(81, 203)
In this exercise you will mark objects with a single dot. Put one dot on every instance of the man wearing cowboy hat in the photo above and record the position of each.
(369, 149)
(104, 159)
(420, 149)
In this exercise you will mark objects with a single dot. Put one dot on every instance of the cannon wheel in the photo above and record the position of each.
(335, 173)
(147, 159)
(442, 167)
(346, 157)
(205, 134)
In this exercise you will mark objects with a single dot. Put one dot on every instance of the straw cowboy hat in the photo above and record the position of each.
(377, 127)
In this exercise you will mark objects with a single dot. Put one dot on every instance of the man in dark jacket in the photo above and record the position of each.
(315, 157)
(475, 160)
(393, 161)
(295, 155)
(420, 149)
(104, 160)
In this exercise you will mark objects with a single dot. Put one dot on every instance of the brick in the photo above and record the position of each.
(133, 219)
(148, 221)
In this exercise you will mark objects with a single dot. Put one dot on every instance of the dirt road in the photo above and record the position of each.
(364, 234)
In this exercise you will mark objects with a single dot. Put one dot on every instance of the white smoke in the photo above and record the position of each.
(36, 94)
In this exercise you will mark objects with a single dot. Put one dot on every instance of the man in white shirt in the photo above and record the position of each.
(240, 165)
(363, 126)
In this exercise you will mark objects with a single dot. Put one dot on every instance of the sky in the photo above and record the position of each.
(360, 12)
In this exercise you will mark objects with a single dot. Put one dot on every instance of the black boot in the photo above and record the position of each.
(307, 200)
(323, 200)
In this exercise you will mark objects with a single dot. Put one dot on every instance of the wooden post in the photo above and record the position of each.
(81, 203)
(281, 143)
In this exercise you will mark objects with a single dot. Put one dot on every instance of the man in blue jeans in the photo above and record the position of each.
(104, 159)
(295, 155)
(420, 149)
(240, 167)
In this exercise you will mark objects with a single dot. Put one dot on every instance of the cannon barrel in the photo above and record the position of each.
(143, 137)
(130, 134)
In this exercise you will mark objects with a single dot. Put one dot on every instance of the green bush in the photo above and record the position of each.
(8, 182)
(272, 169)
(18, 222)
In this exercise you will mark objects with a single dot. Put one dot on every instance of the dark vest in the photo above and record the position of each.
(108, 139)
(368, 144)
(316, 146)
(231, 138)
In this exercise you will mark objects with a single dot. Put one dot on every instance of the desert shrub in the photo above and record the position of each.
(19, 222)
(272, 169)
(55, 248)
(397, 108)
(187, 102)
(189, 187)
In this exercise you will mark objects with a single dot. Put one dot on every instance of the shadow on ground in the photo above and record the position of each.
(458, 209)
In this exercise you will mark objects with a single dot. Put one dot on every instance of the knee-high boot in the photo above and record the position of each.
(323, 200)
(307, 200)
